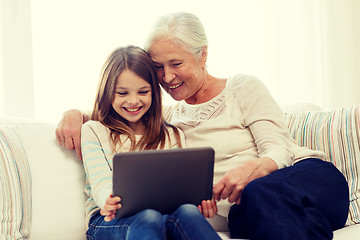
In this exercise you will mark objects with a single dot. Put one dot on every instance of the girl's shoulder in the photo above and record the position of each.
(173, 138)
(168, 110)
(94, 127)
(171, 129)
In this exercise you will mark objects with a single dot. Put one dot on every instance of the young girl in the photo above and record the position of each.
(127, 116)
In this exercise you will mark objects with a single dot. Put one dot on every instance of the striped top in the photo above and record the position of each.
(96, 147)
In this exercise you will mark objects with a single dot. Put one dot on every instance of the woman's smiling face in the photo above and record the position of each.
(180, 72)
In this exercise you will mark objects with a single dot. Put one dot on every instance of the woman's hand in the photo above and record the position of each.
(69, 129)
(234, 181)
(112, 204)
(208, 208)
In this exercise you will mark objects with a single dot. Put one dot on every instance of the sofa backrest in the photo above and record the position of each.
(337, 133)
(57, 182)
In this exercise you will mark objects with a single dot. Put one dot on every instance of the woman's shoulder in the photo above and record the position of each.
(242, 80)
(246, 86)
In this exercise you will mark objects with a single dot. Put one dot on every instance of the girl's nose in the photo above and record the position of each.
(133, 99)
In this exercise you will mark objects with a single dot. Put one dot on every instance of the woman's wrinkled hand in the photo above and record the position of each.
(232, 184)
(68, 131)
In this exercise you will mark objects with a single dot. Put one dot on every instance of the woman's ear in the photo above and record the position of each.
(203, 56)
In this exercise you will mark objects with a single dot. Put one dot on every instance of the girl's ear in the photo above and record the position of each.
(203, 57)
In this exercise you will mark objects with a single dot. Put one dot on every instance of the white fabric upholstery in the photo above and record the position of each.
(57, 185)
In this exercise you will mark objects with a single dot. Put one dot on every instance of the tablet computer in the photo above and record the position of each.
(162, 179)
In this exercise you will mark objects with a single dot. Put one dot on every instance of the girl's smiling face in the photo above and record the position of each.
(132, 99)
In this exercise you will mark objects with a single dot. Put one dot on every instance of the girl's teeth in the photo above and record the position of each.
(132, 109)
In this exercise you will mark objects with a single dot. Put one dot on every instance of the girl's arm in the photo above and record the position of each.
(208, 208)
(111, 206)
(97, 160)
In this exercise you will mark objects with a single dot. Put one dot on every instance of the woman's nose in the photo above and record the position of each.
(168, 75)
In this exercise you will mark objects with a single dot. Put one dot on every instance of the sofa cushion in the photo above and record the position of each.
(337, 133)
(15, 186)
(57, 184)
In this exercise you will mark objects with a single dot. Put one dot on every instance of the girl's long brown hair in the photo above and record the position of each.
(138, 61)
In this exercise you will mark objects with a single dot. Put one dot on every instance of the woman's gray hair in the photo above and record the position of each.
(181, 27)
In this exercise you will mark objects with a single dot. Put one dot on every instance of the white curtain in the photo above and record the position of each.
(16, 70)
(303, 50)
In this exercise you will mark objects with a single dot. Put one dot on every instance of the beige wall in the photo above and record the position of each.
(323, 36)
(341, 42)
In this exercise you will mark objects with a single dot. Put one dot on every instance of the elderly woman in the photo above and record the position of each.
(265, 185)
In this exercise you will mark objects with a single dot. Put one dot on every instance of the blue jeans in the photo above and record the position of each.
(307, 201)
(184, 223)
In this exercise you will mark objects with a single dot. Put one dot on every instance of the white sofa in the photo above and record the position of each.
(41, 189)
